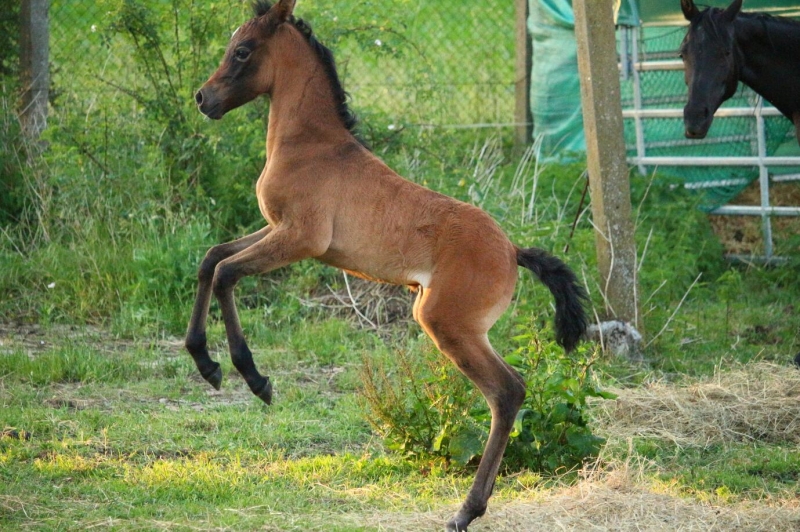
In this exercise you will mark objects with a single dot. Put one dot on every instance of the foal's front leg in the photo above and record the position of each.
(279, 248)
(196, 335)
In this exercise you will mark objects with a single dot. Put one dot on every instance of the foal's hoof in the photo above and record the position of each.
(265, 393)
(464, 517)
(215, 377)
(456, 525)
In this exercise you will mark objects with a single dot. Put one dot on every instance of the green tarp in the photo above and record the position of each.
(555, 85)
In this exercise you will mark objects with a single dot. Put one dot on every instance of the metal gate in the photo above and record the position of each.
(633, 66)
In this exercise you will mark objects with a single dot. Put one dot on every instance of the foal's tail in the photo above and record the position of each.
(571, 318)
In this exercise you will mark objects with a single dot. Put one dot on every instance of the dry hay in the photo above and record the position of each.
(743, 234)
(614, 499)
(758, 401)
(373, 305)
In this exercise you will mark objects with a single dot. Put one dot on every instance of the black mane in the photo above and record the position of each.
(709, 19)
(340, 96)
(261, 7)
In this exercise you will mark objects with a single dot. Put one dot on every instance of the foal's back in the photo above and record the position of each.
(387, 228)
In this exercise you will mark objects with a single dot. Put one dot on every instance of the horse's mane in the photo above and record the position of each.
(709, 19)
(340, 96)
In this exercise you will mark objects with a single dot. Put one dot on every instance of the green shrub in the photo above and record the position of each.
(551, 431)
(12, 158)
(425, 409)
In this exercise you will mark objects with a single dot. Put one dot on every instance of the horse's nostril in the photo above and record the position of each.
(705, 112)
(198, 97)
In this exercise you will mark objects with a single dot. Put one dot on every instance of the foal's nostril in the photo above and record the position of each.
(198, 97)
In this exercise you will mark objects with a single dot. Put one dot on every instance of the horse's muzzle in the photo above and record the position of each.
(208, 104)
(692, 133)
(696, 122)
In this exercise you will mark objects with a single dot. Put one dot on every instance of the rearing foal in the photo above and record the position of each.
(325, 196)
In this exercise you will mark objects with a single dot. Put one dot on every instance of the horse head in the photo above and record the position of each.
(710, 58)
(246, 68)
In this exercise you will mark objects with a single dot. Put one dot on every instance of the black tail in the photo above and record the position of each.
(571, 318)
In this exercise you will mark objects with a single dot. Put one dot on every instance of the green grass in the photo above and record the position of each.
(110, 425)
(102, 431)
(734, 471)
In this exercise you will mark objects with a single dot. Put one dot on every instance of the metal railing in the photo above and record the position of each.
(762, 161)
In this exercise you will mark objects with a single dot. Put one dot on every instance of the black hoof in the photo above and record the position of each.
(464, 517)
(456, 525)
(265, 393)
(215, 377)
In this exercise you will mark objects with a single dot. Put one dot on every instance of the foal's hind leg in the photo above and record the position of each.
(196, 335)
(461, 336)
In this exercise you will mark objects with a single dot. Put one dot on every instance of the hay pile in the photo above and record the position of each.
(370, 304)
(617, 499)
(754, 402)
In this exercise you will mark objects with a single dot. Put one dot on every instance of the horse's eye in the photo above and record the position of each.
(241, 54)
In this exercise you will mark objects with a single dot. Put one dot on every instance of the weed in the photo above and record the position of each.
(430, 411)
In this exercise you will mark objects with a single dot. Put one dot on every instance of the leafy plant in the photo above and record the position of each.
(429, 411)
(423, 409)
(551, 431)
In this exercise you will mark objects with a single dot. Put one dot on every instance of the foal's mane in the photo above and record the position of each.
(324, 54)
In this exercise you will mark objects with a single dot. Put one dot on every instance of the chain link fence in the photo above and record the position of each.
(442, 63)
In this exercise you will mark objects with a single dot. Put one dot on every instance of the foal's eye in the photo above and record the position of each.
(241, 54)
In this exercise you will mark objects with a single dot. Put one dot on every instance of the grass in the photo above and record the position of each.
(105, 422)
(155, 448)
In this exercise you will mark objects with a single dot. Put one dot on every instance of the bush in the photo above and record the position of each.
(551, 431)
(427, 410)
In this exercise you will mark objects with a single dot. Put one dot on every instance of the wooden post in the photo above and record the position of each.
(34, 71)
(605, 153)
(522, 85)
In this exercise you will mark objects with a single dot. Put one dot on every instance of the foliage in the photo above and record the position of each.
(429, 411)
(423, 409)
(12, 157)
(9, 30)
(169, 48)
(551, 432)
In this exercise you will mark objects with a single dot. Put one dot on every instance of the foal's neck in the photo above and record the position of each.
(302, 108)
(770, 59)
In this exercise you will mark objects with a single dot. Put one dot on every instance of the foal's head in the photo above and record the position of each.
(710, 60)
(245, 71)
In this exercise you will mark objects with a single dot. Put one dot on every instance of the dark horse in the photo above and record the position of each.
(327, 197)
(725, 46)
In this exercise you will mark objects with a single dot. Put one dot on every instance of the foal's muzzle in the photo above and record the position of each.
(208, 104)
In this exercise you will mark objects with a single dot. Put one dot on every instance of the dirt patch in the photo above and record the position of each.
(743, 234)
(34, 339)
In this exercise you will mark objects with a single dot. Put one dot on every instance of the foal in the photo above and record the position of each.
(325, 196)
(725, 46)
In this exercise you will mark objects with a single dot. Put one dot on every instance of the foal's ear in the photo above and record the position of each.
(689, 9)
(732, 10)
(283, 9)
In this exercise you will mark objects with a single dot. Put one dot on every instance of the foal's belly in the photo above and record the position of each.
(383, 268)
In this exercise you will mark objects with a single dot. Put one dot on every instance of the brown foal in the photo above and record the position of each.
(327, 197)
